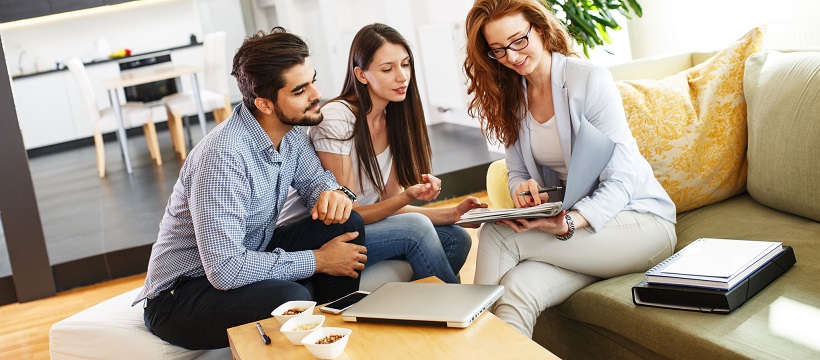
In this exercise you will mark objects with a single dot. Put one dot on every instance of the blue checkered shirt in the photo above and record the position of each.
(223, 210)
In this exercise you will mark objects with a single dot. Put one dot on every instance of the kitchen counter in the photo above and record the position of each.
(95, 62)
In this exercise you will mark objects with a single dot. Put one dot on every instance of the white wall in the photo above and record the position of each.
(670, 26)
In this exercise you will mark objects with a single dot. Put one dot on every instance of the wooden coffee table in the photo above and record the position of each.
(487, 338)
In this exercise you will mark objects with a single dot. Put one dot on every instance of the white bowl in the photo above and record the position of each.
(327, 351)
(305, 306)
(296, 336)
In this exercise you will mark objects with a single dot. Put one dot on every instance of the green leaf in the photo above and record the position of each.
(588, 21)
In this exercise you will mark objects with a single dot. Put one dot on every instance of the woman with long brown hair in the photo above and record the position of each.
(562, 122)
(374, 140)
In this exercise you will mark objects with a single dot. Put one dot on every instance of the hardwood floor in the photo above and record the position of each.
(24, 327)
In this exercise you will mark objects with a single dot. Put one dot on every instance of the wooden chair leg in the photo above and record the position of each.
(222, 114)
(171, 128)
(99, 145)
(148, 141)
(153, 142)
(177, 133)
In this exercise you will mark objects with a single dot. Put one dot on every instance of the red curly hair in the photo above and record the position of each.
(498, 101)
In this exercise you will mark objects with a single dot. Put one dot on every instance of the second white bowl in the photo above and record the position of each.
(298, 327)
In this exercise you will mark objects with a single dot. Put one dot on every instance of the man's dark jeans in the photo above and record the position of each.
(194, 315)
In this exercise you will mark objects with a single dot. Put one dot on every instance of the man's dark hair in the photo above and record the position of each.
(260, 63)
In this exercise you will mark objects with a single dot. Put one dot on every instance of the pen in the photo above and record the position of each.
(265, 337)
(542, 190)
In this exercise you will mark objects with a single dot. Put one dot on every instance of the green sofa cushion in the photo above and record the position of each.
(606, 307)
(783, 116)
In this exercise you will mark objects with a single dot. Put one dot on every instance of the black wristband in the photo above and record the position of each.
(350, 194)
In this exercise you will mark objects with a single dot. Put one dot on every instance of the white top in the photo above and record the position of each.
(547, 148)
(329, 136)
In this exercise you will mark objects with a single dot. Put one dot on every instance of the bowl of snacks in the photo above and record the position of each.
(298, 327)
(292, 309)
(327, 342)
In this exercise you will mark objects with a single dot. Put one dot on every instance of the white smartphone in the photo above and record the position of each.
(337, 306)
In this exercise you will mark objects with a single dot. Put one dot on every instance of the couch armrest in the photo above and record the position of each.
(653, 68)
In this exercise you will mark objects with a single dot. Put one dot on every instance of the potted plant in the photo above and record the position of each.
(588, 21)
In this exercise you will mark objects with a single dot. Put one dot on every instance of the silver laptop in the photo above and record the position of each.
(435, 304)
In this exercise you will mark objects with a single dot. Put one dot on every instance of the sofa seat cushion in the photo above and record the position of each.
(782, 321)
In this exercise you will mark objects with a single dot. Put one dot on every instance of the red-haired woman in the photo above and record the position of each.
(550, 109)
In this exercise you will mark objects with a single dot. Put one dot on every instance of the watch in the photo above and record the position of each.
(350, 194)
(571, 230)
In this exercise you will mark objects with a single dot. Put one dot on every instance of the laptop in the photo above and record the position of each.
(434, 304)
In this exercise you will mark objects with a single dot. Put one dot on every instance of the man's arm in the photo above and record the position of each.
(318, 188)
(219, 193)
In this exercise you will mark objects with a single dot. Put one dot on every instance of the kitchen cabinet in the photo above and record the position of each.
(23, 9)
(43, 109)
(51, 110)
(13, 10)
(61, 6)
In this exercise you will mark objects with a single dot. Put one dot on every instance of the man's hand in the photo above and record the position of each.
(337, 257)
(332, 207)
(466, 205)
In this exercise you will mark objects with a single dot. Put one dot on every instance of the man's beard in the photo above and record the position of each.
(303, 120)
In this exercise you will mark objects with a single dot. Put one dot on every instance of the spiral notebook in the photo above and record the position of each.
(714, 263)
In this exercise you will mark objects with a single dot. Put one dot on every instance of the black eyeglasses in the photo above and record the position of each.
(517, 45)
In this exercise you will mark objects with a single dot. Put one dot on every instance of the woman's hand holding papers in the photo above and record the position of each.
(556, 225)
(532, 186)
(466, 205)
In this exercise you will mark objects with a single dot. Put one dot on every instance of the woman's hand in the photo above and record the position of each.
(415, 192)
(556, 225)
(466, 205)
(432, 187)
(522, 201)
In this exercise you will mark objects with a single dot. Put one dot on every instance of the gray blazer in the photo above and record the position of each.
(585, 91)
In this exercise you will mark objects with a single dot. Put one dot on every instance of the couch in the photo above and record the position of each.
(115, 330)
(777, 197)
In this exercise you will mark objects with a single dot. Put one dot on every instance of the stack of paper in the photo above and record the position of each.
(714, 263)
(491, 215)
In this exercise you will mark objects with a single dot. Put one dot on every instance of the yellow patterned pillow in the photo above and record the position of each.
(691, 126)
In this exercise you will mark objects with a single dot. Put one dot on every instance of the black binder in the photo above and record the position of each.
(713, 300)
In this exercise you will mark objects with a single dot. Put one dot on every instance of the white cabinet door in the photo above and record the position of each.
(43, 109)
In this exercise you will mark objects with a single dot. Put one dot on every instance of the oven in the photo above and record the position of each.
(149, 93)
